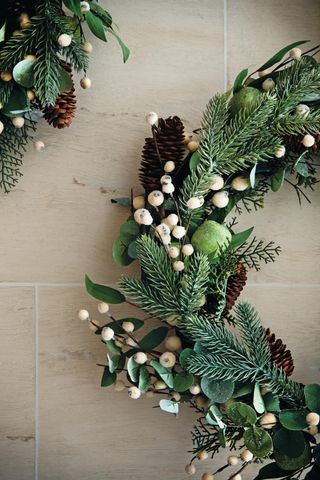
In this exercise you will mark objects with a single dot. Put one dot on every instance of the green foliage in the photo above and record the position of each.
(217, 390)
(152, 339)
(257, 251)
(312, 396)
(103, 293)
(258, 441)
(241, 414)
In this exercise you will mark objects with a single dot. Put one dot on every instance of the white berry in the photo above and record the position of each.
(280, 152)
(178, 266)
(187, 249)
(193, 146)
(143, 216)
(220, 199)
(85, 83)
(308, 140)
(169, 166)
(195, 202)
(173, 219)
(312, 419)
(190, 469)
(168, 188)
(268, 84)
(39, 146)
(217, 182)
(103, 307)
(17, 122)
(31, 95)
(174, 252)
(85, 7)
(165, 239)
(156, 198)
(302, 109)
(64, 40)
(176, 396)
(236, 477)
(128, 326)
(167, 359)
(87, 47)
(140, 358)
(246, 456)
(207, 476)
(1, 127)
(134, 393)
(178, 232)
(240, 183)
(295, 53)
(173, 343)
(83, 314)
(119, 386)
(232, 460)
(202, 455)
(163, 229)
(152, 118)
(165, 179)
(268, 420)
(195, 389)
(160, 385)
(107, 334)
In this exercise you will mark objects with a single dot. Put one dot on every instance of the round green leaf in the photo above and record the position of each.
(293, 419)
(169, 406)
(217, 390)
(258, 441)
(132, 250)
(271, 471)
(65, 81)
(214, 416)
(184, 356)
(164, 373)
(312, 396)
(144, 379)
(182, 381)
(241, 414)
(289, 442)
(17, 104)
(23, 73)
(287, 463)
(133, 369)
(120, 253)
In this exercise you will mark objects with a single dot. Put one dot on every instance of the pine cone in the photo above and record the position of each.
(294, 143)
(169, 136)
(279, 353)
(235, 285)
(60, 114)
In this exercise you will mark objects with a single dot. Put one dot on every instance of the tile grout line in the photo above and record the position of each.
(225, 43)
(37, 438)
(81, 285)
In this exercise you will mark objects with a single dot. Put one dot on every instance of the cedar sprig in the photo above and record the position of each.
(256, 251)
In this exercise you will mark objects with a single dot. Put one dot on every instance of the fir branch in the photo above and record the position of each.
(257, 251)
(194, 284)
(298, 124)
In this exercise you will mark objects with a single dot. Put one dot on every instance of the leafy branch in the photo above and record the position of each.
(257, 251)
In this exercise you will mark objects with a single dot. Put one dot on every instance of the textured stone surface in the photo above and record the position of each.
(59, 224)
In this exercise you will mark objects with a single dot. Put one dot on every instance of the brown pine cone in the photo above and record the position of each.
(60, 115)
(279, 353)
(235, 286)
(169, 135)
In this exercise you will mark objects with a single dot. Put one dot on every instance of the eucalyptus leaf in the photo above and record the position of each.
(112, 347)
(169, 406)
(312, 396)
(289, 442)
(65, 81)
(96, 26)
(277, 179)
(23, 73)
(300, 165)
(217, 390)
(272, 471)
(272, 402)
(103, 293)
(258, 402)
(184, 357)
(120, 253)
(258, 441)
(163, 373)
(133, 369)
(194, 160)
(293, 419)
(242, 389)
(132, 250)
(214, 416)
(240, 238)
(153, 338)
(144, 379)
(108, 378)
(183, 381)
(280, 54)
(17, 104)
(116, 362)
(288, 463)
(241, 414)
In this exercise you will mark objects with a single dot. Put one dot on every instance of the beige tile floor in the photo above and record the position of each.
(57, 423)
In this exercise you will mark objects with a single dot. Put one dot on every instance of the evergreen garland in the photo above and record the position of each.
(232, 371)
(35, 41)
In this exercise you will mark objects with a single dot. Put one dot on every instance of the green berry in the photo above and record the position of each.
(246, 97)
(210, 237)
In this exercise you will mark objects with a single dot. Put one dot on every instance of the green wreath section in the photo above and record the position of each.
(210, 352)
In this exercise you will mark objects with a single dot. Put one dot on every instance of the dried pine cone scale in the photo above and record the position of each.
(60, 115)
(166, 144)
(280, 355)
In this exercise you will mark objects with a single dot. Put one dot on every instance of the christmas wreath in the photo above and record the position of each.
(215, 355)
(40, 46)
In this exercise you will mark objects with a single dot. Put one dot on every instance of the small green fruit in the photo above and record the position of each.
(210, 237)
(246, 97)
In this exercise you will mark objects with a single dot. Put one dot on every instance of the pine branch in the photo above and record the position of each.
(298, 124)
(194, 284)
(257, 251)
(13, 143)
